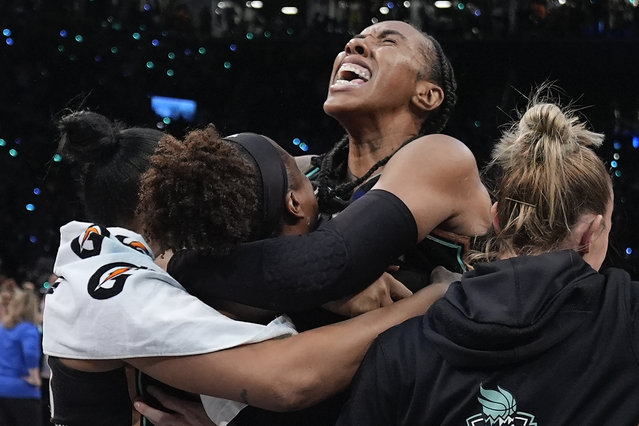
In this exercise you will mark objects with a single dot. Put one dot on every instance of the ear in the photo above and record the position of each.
(493, 214)
(293, 206)
(428, 96)
(587, 232)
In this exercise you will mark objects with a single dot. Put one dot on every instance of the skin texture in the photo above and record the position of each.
(444, 189)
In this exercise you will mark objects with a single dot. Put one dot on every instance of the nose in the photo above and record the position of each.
(356, 46)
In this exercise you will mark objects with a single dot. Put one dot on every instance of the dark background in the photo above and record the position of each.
(258, 70)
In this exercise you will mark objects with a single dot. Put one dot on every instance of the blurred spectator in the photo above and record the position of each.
(7, 287)
(45, 370)
(20, 352)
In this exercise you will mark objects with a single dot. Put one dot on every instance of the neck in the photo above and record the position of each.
(365, 153)
(135, 225)
(371, 140)
(298, 226)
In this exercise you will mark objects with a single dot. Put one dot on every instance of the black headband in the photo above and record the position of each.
(273, 176)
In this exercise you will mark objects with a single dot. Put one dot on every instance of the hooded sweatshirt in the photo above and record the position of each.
(531, 340)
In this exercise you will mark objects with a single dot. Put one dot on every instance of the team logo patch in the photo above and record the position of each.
(109, 279)
(89, 244)
(134, 244)
(499, 408)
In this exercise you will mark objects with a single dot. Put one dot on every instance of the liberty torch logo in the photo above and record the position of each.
(499, 408)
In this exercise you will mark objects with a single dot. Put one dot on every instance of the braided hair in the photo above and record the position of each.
(332, 165)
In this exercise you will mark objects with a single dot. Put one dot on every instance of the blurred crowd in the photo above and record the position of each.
(24, 373)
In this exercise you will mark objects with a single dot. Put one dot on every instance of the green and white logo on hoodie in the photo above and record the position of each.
(499, 408)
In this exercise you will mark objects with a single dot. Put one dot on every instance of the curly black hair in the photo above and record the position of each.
(199, 194)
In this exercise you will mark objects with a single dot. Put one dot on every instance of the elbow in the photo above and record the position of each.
(298, 392)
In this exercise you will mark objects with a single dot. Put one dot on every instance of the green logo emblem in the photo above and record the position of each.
(499, 408)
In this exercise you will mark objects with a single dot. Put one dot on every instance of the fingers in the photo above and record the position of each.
(187, 413)
(157, 417)
(33, 381)
(383, 299)
(397, 290)
(169, 401)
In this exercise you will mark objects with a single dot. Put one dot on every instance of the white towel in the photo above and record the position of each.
(112, 302)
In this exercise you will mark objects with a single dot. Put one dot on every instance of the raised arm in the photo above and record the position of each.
(291, 373)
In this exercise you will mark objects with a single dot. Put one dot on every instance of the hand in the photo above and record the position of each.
(186, 413)
(34, 377)
(33, 380)
(384, 291)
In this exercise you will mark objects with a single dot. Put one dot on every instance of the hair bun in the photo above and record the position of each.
(88, 136)
(547, 120)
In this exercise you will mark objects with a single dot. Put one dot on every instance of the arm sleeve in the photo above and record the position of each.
(31, 348)
(294, 273)
(370, 402)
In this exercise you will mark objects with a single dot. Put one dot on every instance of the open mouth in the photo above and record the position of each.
(352, 74)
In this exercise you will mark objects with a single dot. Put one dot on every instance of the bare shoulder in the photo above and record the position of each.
(438, 151)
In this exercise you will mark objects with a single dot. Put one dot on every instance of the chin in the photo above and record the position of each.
(330, 107)
(335, 107)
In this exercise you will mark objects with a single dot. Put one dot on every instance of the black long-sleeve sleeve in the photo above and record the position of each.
(295, 273)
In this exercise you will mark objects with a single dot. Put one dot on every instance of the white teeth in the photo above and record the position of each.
(361, 72)
(346, 82)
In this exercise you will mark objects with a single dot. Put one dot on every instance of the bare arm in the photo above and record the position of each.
(384, 291)
(436, 176)
(291, 373)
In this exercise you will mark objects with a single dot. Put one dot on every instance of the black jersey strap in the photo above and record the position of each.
(273, 178)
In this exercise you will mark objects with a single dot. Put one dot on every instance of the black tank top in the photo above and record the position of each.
(81, 398)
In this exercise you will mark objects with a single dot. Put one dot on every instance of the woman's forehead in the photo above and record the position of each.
(402, 28)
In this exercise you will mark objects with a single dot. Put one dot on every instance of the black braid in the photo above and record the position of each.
(336, 199)
(330, 171)
(443, 75)
(333, 165)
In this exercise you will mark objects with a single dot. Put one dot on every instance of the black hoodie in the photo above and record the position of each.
(531, 340)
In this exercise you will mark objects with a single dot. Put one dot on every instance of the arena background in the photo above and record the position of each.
(250, 67)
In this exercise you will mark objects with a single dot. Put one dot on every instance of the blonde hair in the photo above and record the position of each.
(547, 176)
(23, 307)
